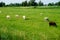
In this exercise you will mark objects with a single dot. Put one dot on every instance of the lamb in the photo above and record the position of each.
(24, 17)
(51, 23)
(17, 16)
(8, 16)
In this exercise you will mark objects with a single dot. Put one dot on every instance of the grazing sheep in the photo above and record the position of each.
(24, 17)
(51, 23)
(17, 16)
(45, 18)
(8, 16)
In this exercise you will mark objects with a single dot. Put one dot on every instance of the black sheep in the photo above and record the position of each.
(52, 23)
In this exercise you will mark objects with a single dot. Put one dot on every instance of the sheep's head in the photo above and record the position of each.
(46, 19)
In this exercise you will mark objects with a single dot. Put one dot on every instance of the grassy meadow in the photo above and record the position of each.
(35, 28)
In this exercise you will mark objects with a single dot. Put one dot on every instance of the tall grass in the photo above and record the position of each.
(36, 28)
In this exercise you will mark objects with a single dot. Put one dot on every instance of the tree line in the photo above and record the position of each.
(30, 3)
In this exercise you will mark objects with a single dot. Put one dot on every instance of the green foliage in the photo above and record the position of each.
(57, 3)
(24, 3)
(51, 4)
(2, 4)
(41, 3)
(30, 3)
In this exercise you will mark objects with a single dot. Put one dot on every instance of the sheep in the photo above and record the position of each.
(45, 18)
(17, 16)
(51, 23)
(8, 16)
(24, 17)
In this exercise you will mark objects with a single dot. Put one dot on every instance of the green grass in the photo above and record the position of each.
(33, 29)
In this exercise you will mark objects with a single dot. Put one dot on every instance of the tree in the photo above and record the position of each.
(24, 3)
(32, 3)
(11, 4)
(57, 3)
(2, 4)
(51, 4)
(41, 3)
(14, 4)
(17, 4)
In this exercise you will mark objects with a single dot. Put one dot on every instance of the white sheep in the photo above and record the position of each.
(45, 18)
(8, 16)
(17, 16)
(24, 17)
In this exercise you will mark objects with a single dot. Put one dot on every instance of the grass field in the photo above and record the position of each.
(35, 28)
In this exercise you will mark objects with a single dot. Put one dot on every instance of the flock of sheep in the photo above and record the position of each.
(51, 23)
(17, 16)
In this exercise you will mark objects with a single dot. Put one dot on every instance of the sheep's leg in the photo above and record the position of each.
(55, 25)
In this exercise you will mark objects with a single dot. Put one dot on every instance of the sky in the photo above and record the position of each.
(20, 1)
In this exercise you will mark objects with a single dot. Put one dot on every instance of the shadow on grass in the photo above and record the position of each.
(11, 37)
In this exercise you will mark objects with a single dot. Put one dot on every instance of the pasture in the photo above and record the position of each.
(34, 28)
